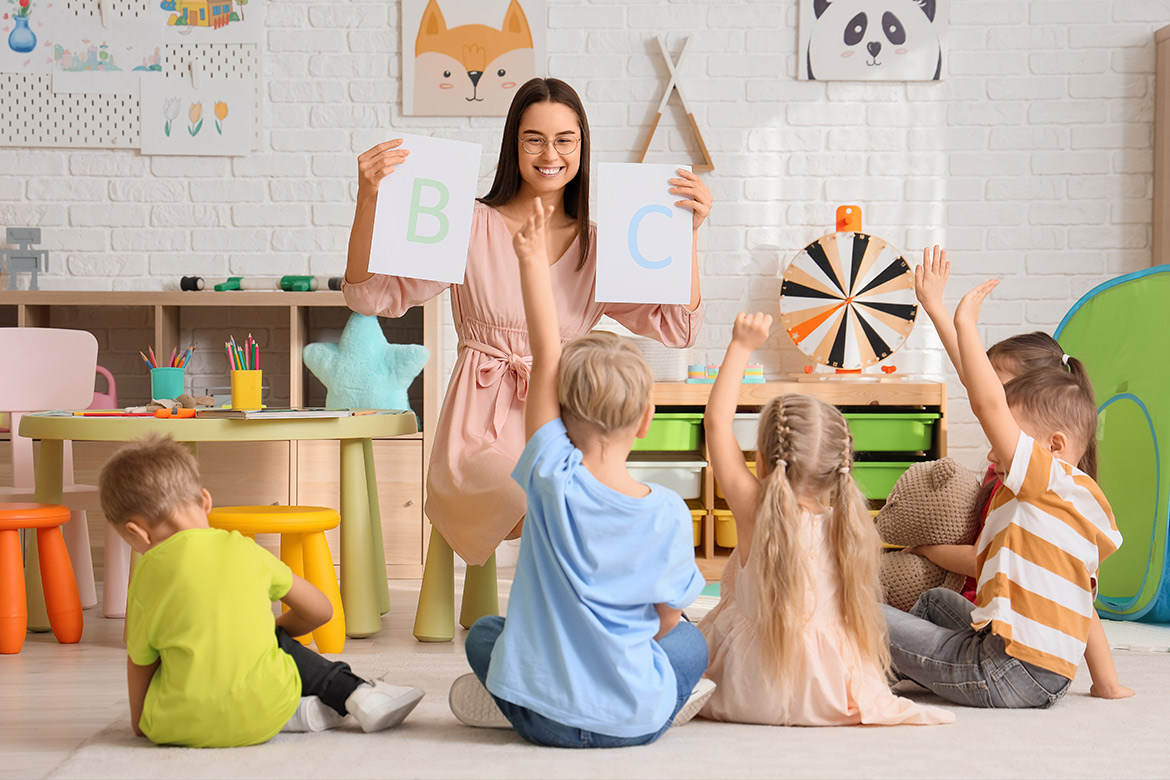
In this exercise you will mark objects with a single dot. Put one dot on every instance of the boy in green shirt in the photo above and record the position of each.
(209, 665)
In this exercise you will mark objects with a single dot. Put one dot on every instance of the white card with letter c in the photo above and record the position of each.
(643, 239)
(422, 225)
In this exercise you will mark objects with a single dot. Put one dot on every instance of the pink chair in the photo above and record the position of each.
(43, 369)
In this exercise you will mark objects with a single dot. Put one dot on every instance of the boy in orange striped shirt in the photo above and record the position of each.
(1047, 531)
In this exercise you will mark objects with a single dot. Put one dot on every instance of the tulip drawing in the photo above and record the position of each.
(170, 111)
(196, 116)
(221, 112)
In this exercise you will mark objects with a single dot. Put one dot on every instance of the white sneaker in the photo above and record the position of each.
(699, 696)
(312, 715)
(380, 705)
(472, 704)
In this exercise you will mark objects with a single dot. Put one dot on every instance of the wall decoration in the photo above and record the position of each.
(214, 118)
(643, 239)
(671, 86)
(872, 40)
(24, 36)
(468, 57)
(211, 21)
(422, 224)
(89, 56)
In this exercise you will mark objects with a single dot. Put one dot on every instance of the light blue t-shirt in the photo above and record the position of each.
(578, 644)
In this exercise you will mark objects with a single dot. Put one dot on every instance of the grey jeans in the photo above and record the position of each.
(936, 647)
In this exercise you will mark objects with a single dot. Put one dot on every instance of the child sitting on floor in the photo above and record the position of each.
(592, 653)
(1010, 358)
(1037, 557)
(208, 664)
(798, 637)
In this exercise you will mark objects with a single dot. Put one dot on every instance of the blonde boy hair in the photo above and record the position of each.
(603, 381)
(805, 449)
(151, 478)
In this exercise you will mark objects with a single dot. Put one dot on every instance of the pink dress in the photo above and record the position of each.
(471, 497)
(836, 687)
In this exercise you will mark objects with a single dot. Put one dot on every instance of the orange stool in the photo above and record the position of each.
(61, 597)
(302, 548)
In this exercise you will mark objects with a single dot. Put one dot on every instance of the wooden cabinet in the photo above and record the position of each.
(282, 322)
(914, 399)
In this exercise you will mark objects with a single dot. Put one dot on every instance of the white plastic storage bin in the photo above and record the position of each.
(683, 477)
(746, 426)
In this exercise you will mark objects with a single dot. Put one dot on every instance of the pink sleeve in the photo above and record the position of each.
(671, 324)
(389, 296)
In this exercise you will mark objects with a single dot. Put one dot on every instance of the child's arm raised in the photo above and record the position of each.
(988, 400)
(738, 483)
(308, 608)
(930, 280)
(137, 683)
(544, 334)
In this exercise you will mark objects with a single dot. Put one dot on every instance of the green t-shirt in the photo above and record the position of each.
(202, 601)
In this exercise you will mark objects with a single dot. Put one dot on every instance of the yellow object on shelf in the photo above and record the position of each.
(725, 535)
(751, 464)
(697, 521)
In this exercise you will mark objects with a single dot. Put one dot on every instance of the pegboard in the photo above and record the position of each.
(32, 115)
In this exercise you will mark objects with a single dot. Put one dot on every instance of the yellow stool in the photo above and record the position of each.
(302, 548)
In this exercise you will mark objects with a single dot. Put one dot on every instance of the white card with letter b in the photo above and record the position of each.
(423, 221)
(643, 239)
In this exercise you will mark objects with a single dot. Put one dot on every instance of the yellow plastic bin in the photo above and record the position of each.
(697, 518)
(725, 528)
(751, 467)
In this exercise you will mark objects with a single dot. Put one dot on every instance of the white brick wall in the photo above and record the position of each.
(1031, 162)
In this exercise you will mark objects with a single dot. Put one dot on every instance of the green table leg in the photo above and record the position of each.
(480, 593)
(48, 491)
(435, 619)
(382, 586)
(358, 585)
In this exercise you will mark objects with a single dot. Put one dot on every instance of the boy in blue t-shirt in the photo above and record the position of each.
(208, 664)
(592, 653)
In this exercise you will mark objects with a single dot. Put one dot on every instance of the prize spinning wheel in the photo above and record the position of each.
(847, 299)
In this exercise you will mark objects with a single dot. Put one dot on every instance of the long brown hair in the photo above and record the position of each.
(808, 450)
(506, 185)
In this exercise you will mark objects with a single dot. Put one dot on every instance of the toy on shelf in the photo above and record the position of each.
(287, 283)
(698, 374)
(847, 299)
(24, 259)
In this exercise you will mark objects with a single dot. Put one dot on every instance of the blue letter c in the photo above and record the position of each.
(633, 236)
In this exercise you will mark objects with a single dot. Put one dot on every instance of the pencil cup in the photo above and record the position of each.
(246, 389)
(166, 382)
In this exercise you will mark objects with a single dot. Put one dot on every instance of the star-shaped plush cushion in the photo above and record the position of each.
(364, 371)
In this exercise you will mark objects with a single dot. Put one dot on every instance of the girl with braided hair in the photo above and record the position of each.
(798, 637)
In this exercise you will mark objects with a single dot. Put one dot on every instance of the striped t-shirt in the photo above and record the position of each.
(1048, 529)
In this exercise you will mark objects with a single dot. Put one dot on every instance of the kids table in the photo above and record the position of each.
(364, 594)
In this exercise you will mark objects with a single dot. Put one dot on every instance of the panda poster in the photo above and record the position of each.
(872, 40)
(468, 57)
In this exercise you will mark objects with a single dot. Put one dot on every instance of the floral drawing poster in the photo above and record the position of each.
(88, 57)
(213, 120)
(24, 36)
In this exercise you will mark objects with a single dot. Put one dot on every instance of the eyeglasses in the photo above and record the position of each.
(563, 145)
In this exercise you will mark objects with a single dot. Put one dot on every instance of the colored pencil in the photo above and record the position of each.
(145, 360)
(153, 362)
(174, 352)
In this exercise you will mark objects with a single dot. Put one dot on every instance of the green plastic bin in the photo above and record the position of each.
(672, 431)
(876, 478)
(891, 431)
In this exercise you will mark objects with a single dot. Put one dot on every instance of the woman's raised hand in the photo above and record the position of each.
(529, 240)
(698, 196)
(377, 163)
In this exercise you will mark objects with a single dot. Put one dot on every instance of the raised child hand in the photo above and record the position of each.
(377, 163)
(751, 330)
(529, 240)
(699, 197)
(968, 309)
(930, 278)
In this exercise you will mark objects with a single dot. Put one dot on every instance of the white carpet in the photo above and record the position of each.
(1079, 737)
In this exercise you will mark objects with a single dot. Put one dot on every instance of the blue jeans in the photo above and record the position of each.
(685, 647)
(936, 647)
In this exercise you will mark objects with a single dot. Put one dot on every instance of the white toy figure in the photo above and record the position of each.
(24, 259)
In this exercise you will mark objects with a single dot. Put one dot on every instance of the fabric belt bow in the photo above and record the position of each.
(494, 371)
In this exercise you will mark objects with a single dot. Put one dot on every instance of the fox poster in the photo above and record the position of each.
(468, 57)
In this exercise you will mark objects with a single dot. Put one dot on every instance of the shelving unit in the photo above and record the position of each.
(126, 322)
(892, 396)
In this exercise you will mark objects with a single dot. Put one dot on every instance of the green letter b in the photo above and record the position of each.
(436, 211)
